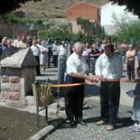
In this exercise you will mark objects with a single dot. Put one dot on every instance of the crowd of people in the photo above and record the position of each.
(48, 52)
(98, 62)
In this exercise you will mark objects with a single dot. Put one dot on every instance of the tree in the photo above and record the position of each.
(128, 29)
(10, 5)
(132, 5)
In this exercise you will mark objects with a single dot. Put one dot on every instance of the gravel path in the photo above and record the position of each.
(93, 132)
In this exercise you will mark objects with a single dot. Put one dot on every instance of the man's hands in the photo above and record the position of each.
(92, 78)
(96, 79)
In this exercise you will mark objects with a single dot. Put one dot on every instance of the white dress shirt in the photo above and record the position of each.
(55, 49)
(35, 50)
(76, 64)
(86, 52)
(110, 68)
(62, 50)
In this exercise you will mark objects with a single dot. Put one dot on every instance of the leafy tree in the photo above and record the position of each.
(128, 29)
(54, 34)
(132, 5)
(10, 5)
(27, 20)
(10, 18)
(39, 22)
(84, 21)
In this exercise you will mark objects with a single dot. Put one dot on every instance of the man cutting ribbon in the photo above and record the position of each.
(108, 68)
(77, 71)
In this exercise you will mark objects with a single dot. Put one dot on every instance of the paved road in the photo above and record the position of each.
(91, 114)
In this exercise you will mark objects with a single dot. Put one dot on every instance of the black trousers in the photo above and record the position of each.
(49, 60)
(38, 66)
(88, 60)
(55, 60)
(139, 63)
(131, 69)
(109, 101)
(74, 97)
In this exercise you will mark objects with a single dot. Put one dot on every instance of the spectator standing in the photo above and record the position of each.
(95, 53)
(123, 51)
(3, 45)
(138, 56)
(36, 52)
(136, 105)
(70, 49)
(130, 58)
(16, 41)
(49, 47)
(104, 42)
(86, 53)
(62, 62)
(116, 49)
(43, 53)
(55, 52)
(29, 41)
(9, 43)
(22, 43)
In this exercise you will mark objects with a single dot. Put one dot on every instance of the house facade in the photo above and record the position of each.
(82, 10)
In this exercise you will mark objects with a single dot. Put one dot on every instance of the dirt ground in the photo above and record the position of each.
(18, 125)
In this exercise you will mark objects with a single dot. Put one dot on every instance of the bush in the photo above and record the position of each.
(54, 34)
(84, 21)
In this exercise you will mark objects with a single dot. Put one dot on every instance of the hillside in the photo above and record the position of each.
(49, 9)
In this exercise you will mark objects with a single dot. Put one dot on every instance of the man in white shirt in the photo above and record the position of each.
(36, 52)
(16, 41)
(109, 69)
(86, 53)
(77, 71)
(55, 52)
(62, 62)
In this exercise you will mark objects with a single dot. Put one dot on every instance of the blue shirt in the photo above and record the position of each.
(2, 48)
(138, 55)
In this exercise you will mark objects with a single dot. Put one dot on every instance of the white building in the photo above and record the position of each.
(108, 11)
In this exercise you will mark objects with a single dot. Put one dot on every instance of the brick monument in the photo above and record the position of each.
(17, 76)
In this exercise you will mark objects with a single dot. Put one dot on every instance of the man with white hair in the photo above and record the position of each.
(77, 71)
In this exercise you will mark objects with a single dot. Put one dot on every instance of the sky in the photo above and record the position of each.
(108, 10)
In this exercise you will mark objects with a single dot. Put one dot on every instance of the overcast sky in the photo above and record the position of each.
(108, 10)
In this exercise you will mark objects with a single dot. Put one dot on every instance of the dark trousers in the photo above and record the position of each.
(49, 60)
(93, 61)
(123, 54)
(131, 69)
(139, 62)
(38, 66)
(109, 101)
(55, 60)
(87, 60)
(74, 97)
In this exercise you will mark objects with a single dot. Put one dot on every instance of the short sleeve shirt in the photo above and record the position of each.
(76, 64)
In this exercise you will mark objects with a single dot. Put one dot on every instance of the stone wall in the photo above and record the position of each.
(27, 78)
(10, 87)
(16, 83)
